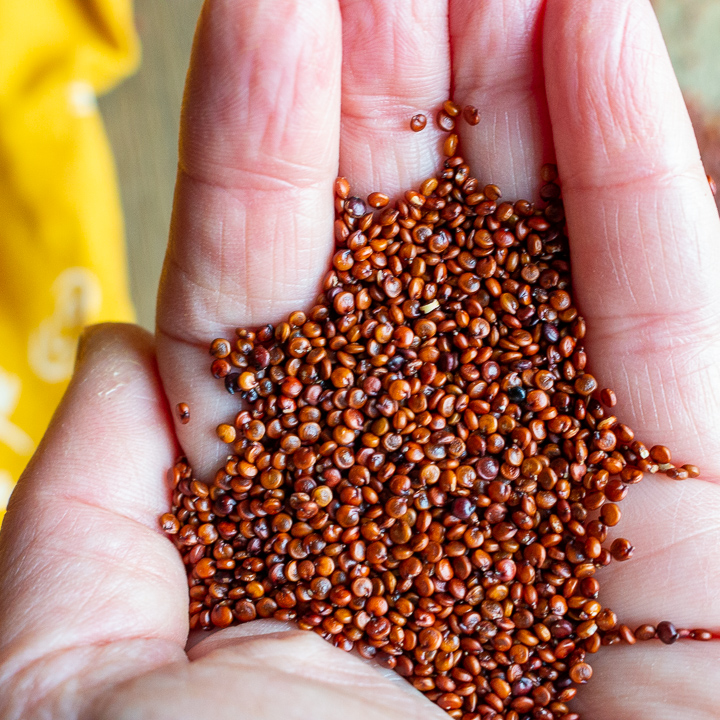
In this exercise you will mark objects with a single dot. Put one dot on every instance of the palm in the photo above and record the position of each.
(94, 622)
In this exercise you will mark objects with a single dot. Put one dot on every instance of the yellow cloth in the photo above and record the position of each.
(62, 261)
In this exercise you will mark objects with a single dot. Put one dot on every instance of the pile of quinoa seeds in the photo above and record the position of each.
(422, 470)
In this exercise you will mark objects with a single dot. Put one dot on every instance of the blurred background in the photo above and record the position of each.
(88, 136)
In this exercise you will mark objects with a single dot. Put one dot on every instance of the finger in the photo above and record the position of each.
(253, 214)
(286, 674)
(202, 643)
(674, 530)
(652, 682)
(497, 67)
(85, 572)
(644, 229)
(396, 63)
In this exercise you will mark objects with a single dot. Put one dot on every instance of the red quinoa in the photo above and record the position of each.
(422, 467)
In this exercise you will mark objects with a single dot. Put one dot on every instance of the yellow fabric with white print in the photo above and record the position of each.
(62, 261)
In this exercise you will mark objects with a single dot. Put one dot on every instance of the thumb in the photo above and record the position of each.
(268, 669)
(85, 571)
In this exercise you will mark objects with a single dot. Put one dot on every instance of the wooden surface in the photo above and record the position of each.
(142, 117)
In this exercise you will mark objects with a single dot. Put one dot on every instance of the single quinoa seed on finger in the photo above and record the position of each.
(183, 412)
(471, 115)
(667, 632)
(422, 466)
(418, 122)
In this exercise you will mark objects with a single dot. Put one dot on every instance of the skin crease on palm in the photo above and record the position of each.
(281, 96)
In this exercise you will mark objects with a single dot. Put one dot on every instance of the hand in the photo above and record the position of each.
(94, 598)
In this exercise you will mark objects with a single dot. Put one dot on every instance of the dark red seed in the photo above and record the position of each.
(667, 632)
(463, 508)
(355, 207)
(471, 115)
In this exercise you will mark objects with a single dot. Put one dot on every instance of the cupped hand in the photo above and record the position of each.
(282, 97)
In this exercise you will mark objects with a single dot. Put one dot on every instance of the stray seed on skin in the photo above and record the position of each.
(701, 635)
(621, 549)
(660, 454)
(667, 633)
(183, 411)
(418, 122)
(226, 433)
(608, 397)
(471, 115)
